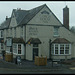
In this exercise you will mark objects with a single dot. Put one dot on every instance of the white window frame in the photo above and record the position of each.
(64, 49)
(17, 49)
(14, 49)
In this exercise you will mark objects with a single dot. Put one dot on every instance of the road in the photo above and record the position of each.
(29, 68)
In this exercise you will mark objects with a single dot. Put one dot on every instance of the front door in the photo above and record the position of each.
(35, 52)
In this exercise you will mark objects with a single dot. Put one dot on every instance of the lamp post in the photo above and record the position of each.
(50, 49)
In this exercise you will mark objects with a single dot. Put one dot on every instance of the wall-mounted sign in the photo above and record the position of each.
(9, 42)
(33, 30)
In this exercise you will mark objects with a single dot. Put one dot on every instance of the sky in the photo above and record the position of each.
(56, 7)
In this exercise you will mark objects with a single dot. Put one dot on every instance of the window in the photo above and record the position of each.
(19, 49)
(14, 32)
(35, 45)
(56, 31)
(1, 45)
(52, 49)
(67, 49)
(15, 48)
(61, 49)
(56, 48)
(1, 33)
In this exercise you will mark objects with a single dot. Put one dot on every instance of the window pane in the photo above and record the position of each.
(61, 48)
(15, 48)
(35, 45)
(56, 51)
(52, 49)
(56, 48)
(61, 51)
(56, 30)
(66, 51)
(19, 49)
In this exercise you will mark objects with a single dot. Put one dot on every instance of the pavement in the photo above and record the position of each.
(28, 67)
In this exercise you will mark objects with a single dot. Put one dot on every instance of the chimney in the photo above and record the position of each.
(66, 17)
(6, 17)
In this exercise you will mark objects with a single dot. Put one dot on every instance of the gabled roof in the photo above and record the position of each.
(23, 16)
(19, 15)
(31, 14)
(61, 40)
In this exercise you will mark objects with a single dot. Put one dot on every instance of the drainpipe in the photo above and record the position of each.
(50, 49)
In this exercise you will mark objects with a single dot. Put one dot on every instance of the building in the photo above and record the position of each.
(37, 32)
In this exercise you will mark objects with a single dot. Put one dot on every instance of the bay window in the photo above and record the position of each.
(18, 49)
(61, 49)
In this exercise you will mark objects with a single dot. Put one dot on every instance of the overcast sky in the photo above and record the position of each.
(56, 7)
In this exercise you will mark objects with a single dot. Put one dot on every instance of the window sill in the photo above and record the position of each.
(60, 54)
(56, 36)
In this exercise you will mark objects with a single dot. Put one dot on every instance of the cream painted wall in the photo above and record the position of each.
(52, 19)
(44, 33)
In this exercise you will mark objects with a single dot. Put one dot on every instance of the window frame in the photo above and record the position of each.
(59, 53)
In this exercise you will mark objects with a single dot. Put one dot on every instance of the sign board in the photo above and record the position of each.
(9, 42)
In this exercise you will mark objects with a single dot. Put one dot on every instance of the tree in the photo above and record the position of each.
(73, 29)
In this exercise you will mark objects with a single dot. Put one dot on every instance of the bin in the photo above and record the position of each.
(40, 61)
(9, 57)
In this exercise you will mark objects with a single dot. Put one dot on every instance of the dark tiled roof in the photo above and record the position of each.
(6, 23)
(22, 16)
(18, 40)
(60, 40)
(19, 14)
(30, 14)
(33, 40)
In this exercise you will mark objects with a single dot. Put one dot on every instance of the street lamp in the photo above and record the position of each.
(50, 49)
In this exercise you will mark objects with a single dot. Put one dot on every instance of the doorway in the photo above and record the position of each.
(35, 52)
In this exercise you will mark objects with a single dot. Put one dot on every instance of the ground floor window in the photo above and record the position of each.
(1, 45)
(17, 48)
(61, 49)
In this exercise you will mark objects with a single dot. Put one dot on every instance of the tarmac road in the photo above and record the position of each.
(28, 67)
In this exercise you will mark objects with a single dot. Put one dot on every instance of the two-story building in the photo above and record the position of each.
(37, 32)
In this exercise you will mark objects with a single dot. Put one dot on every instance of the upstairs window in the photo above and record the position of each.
(56, 31)
(14, 32)
(1, 33)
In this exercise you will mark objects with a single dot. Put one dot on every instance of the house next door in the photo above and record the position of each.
(35, 52)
